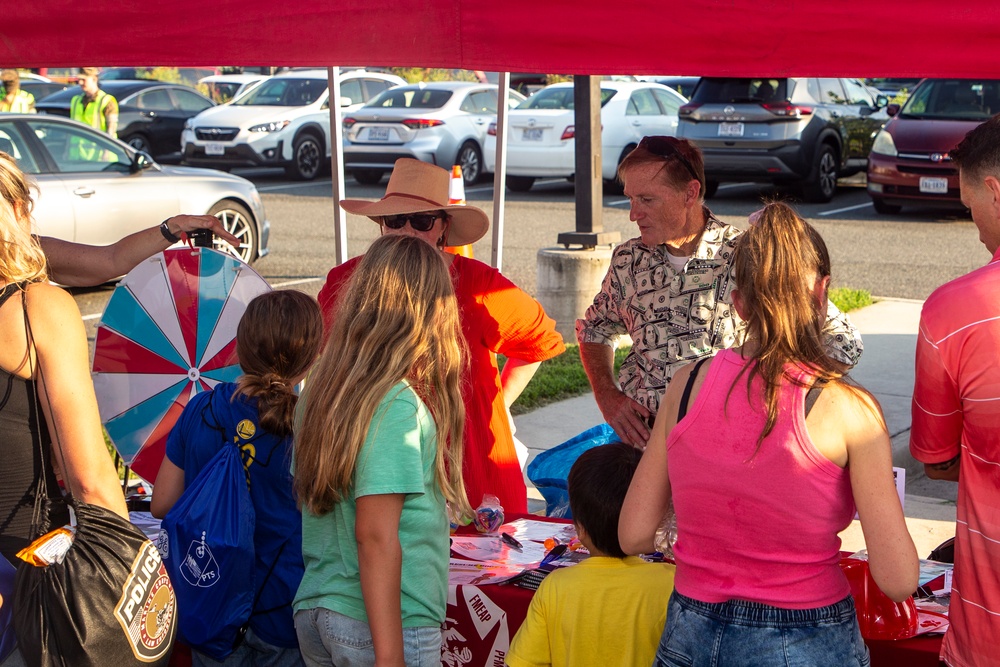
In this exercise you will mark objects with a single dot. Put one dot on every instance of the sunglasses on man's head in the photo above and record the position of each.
(420, 222)
(665, 148)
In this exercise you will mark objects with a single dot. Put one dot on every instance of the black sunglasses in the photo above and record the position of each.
(420, 222)
(663, 147)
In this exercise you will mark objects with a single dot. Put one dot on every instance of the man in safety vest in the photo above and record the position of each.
(14, 99)
(93, 106)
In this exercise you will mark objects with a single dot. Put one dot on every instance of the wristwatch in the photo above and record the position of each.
(165, 230)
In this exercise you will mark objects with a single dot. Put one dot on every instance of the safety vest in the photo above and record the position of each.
(24, 102)
(91, 114)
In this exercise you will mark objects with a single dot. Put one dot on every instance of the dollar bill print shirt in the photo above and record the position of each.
(677, 316)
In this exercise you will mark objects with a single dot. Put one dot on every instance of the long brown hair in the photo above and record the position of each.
(277, 340)
(776, 264)
(398, 319)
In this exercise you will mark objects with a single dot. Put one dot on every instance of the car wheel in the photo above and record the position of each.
(822, 182)
(307, 158)
(139, 142)
(520, 183)
(711, 187)
(368, 176)
(471, 160)
(886, 209)
(238, 222)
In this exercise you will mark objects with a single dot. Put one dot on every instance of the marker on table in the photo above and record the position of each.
(553, 554)
(509, 540)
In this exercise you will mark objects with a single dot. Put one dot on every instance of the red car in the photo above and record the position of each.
(909, 163)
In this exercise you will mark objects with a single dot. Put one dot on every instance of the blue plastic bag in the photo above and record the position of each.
(206, 541)
(550, 469)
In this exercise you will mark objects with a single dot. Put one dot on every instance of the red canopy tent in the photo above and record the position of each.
(702, 37)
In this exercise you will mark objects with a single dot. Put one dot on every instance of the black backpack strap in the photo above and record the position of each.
(682, 408)
(812, 395)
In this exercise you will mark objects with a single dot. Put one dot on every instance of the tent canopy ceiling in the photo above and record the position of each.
(908, 38)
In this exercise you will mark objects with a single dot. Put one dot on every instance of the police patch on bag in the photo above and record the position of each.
(148, 607)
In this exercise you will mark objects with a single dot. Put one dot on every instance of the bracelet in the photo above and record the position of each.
(165, 230)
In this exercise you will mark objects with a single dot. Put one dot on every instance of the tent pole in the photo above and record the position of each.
(500, 169)
(336, 137)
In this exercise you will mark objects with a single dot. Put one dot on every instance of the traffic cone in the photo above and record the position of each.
(456, 195)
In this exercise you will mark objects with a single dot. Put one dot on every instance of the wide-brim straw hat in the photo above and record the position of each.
(419, 187)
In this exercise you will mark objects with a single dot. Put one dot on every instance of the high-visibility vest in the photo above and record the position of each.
(24, 102)
(91, 114)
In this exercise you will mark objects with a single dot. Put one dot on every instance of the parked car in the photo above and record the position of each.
(909, 163)
(541, 136)
(442, 122)
(222, 88)
(95, 189)
(891, 87)
(151, 114)
(684, 85)
(283, 122)
(189, 76)
(40, 87)
(802, 131)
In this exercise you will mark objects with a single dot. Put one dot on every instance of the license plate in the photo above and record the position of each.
(934, 186)
(532, 134)
(730, 129)
(378, 134)
(215, 148)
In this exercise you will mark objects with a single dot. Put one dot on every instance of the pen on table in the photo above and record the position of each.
(509, 540)
(553, 554)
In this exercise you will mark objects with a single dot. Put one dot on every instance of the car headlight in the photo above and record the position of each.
(187, 124)
(884, 145)
(275, 126)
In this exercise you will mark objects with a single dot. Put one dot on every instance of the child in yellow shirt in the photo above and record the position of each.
(609, 609)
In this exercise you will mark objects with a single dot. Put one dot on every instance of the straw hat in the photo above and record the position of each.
(419, 187)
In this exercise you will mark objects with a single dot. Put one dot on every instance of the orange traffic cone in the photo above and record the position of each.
(456, 195)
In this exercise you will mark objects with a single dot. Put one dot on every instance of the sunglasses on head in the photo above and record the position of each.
(420, 222)
(665, 148)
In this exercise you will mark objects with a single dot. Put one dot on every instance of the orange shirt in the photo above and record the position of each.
(497, 317)
(956, 412)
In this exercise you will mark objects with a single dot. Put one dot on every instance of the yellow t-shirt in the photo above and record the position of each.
(603, 611)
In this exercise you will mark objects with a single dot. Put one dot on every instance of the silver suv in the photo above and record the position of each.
(807, 131)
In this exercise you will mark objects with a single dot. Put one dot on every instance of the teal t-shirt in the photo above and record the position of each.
(397, 457)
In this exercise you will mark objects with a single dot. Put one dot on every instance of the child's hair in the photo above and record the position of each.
(775, 266)
(597, 483)
(278, 338)
(21, 257)
(398, 319)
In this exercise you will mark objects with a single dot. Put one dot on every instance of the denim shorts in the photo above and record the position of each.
(329, 639)
(746, 634)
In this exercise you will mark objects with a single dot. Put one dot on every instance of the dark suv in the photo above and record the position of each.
(803, 131)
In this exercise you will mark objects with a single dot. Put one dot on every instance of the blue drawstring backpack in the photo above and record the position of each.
(549, 470)
(206, 541)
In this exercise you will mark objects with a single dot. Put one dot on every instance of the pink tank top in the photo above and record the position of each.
(755, 526)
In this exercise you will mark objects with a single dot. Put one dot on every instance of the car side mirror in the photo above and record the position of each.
(892, 109)
(346, 101)
(141, 162)
(881, 101)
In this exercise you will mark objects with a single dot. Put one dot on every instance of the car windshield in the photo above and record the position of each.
(559, 98)
(284, 92)
(735, 91)
(954, 99)
(411, 98)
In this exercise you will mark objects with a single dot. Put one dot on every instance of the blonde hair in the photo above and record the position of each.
(776, 264)
(398, 319)
(277, 340)
(21, 257)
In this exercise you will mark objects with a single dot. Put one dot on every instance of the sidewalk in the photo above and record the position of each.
(889, 329)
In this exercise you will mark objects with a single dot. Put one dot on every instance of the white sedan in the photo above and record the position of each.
(540, 138)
